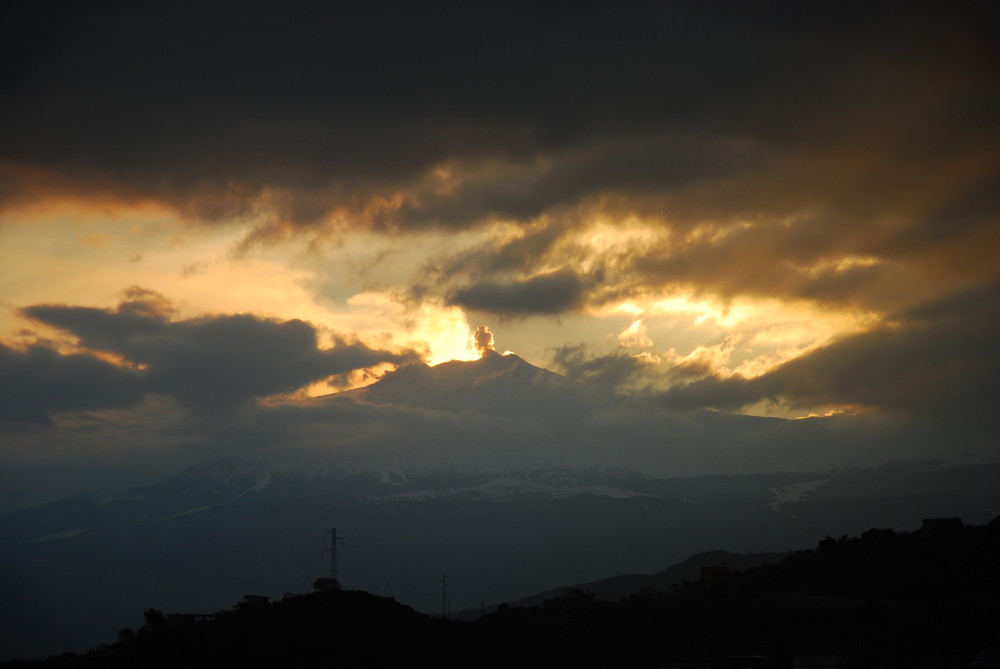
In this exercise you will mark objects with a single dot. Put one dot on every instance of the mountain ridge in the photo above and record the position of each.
(498, 384)
(619, 587)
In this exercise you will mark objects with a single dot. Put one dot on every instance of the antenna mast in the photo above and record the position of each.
(332, 550)
(444, 596)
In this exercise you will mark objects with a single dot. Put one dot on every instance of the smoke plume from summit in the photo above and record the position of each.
(483, 340)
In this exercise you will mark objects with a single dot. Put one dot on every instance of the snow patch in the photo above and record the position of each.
(55, 536)
(796, 492)
(189, 511)
(130, 496)
(510, 488)
(262, 482)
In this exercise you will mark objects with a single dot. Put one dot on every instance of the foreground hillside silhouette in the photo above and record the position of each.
(916, 599)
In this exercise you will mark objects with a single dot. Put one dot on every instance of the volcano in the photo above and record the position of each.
(495, 384)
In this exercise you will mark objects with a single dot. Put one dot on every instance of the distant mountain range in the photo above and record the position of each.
(76, 571)
(504, 510)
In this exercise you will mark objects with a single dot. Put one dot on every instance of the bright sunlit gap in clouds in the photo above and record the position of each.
(357, 286)
(744, 336)
(200, 272)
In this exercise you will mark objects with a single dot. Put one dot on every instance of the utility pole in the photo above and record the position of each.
(332, 550)
(444, 596)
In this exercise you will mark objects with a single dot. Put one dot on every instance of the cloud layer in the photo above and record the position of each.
(210, 364)
(937, 359)
(835, 153)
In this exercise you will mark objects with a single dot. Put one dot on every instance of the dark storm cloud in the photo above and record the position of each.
(543, 294)
(593, 168)
(603, 373)
(209, 363)
(336, 107)
(38, 382)
(794, 134)
(939, 358)
(746, 236)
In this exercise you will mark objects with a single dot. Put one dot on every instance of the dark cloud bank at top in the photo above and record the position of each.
(331, 107)
(836, 130)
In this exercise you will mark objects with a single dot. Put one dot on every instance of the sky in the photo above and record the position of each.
(211, 215)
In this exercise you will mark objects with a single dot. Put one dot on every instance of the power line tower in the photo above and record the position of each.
(332, 550)
(444, 596)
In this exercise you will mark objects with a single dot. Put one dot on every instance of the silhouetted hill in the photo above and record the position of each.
(915, 599)
(927, 598)
(620, 587)
(351, 627)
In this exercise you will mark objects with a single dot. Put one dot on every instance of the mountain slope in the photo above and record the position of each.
(503, 385)
(621, 587)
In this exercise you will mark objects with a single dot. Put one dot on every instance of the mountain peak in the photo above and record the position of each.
(500, 384)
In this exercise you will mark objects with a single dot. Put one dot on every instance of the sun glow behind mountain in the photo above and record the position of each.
(178, 259)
